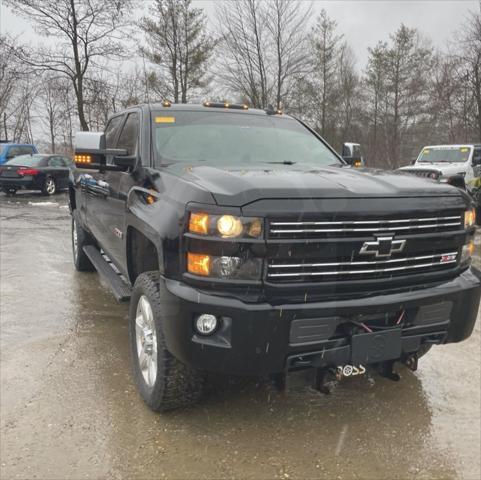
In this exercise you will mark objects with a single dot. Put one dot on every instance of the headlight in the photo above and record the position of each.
(467, 251)
(469, 218)
(225, 226)
(224, 267)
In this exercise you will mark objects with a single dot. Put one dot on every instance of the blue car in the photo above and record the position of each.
(12, 150)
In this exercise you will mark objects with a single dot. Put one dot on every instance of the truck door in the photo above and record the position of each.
(96, 189)
(109, 207)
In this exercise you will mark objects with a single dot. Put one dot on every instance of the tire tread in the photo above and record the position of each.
(177, 385)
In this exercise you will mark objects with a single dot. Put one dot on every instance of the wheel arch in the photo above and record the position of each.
(142, 254)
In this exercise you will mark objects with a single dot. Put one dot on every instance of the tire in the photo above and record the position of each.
(10, 192)
(49, 186)
(80, 239)
(163, 381)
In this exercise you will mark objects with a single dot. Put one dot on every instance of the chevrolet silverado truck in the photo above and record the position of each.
(247, 246)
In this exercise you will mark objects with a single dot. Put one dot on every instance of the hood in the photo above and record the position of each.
(444, 168)
(234, 186)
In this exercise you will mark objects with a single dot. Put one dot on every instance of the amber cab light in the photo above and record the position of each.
(198, 264)
(199, 223)
(83, 159)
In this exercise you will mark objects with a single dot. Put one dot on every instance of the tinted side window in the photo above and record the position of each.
(356, 151)
(111, 130)
(14, 152)
(56, 162)
(477, 154)
(68, 162)
(130, 134)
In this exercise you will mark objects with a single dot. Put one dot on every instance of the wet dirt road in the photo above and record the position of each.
(69, 409)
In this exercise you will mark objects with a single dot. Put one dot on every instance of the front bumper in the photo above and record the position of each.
(259, 338)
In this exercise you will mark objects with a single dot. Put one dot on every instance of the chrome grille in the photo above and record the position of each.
(425, 173)
(290, 270)
(339, 228)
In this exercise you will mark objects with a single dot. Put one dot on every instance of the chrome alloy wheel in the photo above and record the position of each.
(74, 240)
(146, 341)
(50, 186)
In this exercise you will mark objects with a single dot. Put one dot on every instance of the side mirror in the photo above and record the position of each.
(413, 161)
(90, 151)
(476, 161)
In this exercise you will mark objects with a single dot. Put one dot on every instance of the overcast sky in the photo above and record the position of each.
(363, 22)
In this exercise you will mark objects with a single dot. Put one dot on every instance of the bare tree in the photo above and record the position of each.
(263, 49)
(286, 22)
(469, 61)
(349, 95)
(178, 43)
(327, 46)
(9, 78)
(244, 45)
(374, 88)
(85, 34)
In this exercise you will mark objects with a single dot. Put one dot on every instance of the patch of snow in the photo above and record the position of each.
(43, 204)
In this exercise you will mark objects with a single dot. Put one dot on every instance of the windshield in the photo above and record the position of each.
(220, 138)
(27, 160)
(445, 154)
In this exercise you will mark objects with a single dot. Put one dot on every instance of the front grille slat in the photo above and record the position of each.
(374, 262)
(442, 223)
(378, 229)
(362, 222)
(364, 272)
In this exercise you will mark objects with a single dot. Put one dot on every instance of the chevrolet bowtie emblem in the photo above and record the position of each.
(382, 247)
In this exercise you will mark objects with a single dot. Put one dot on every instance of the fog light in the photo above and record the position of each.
(206, 324)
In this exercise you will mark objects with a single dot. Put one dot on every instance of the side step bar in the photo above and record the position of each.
(118, 286)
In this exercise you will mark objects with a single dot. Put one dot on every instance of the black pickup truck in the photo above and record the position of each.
(247, 246)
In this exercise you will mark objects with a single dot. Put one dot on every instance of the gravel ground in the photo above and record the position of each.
(69, 409)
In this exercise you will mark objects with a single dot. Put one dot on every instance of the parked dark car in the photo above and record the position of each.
(46, 172)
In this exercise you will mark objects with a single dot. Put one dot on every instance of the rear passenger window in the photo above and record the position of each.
(130, 134)
(111, 131)
(56, 162)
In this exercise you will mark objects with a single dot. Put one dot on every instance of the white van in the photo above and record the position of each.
(440, 162)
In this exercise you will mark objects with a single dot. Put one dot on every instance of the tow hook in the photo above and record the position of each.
(328, 378)
(349, 371)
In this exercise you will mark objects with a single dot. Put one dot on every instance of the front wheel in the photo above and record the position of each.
(163, 381)
(49, 186)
